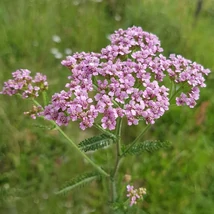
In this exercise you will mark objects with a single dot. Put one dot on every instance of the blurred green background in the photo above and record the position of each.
(34, 162)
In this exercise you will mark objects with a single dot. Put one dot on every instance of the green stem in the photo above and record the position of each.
(77, 148)
(44, 96)
(117, 163)
(104, 130)
(137, 139)
(175, 93)
(80, 152)
(148, 126)
(171, 88)
(36, 102)
(119, 136)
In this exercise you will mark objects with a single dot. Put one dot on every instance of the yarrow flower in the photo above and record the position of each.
(25, 85)
(124, 80)
(135, 194)
(191, 74)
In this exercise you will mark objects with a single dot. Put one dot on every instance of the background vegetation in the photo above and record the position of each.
(35, 162)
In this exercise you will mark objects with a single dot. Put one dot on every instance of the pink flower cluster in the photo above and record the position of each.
(124, 80)
(135, 194)
(190, 74)
(25, 85)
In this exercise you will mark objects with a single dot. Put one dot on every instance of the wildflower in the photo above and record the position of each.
(118, 94)
(56, 38)
(189, 73)
(135, 194)
(124, 80)
(25, 85)
(127, 81)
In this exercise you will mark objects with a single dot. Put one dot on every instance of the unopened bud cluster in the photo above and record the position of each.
(135, 194)
(34, 112)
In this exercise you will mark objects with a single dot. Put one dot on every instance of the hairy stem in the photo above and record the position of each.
(104, 131)
(81, 153)
(175, 93)
(76, 147)
(149, 125)
(44, 96)
(137, 139)
(117, 163)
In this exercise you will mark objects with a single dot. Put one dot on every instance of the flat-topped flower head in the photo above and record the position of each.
(125, 80)
(189, 75)
(24, 84)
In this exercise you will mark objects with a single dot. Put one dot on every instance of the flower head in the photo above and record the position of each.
(189, 74)
(135, 194)
(24, 84)
(126, 80)
(34, 112)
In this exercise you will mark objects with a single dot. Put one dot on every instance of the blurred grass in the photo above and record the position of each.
(35, 162)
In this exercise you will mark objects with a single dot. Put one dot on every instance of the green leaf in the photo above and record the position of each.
(79, 181)
(148, 146)
(96, 142)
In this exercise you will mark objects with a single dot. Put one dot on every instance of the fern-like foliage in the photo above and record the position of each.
(147, 146)
(79, 181)
(96, 142)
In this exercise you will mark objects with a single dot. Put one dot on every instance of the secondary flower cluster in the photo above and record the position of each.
(126, 79)
(135, 194)
(188, 73)
(25, 85)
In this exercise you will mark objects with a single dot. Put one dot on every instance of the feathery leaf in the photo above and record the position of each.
(79, 181)
(148, 146)
(96, 142)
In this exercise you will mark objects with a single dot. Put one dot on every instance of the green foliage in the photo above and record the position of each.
(31, 157)
(147, 146)
(96, 142)
(79, 181)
